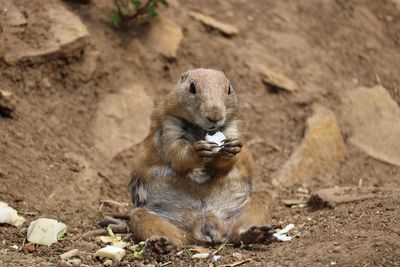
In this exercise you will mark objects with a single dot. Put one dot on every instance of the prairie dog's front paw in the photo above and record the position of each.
(205, 149)
(231, 147)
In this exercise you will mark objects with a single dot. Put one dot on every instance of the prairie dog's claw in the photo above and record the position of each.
(205, 149)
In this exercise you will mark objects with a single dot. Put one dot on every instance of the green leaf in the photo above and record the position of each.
(116, 18)
(151, 11)
(139, 253)
(164, 2)
(137, 3)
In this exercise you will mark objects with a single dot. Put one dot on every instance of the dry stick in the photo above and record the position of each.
(138, 12)
(114, 203)
(236, 263)
(95, 233)
(219, 249)
(29, 213)
(22, 246)
(166, 263)
(69, 254)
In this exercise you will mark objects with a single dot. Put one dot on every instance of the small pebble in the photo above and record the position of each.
(108, 263)
(75, 262)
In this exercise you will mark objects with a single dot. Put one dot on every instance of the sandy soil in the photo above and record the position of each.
(50, 165)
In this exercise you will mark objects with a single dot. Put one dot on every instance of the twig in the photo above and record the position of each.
(95, 233)
(138, 12)
(114, 203)
(166, 263)
(29, 213)
(23, 243)
(236, 263)
(69, 254)
(219, 249)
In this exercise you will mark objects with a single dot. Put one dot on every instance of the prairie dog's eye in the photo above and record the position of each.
(192, 88)
(230, 90)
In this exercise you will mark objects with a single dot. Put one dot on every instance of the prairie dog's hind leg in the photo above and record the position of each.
(251, 225)
(160, 232)
(209, 230)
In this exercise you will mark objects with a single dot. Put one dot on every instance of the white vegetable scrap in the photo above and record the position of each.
(45, 231)
(217, 137)
(216, 258)
(111, 252)
(282, 234)
(113, 239)
(200, 255)
(9, 215)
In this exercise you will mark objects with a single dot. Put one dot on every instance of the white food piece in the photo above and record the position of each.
(200, 255)
(282, 234)
(9, 215)
(286, 229)
(283, 237)
(218, 138)
(111, 252)
(45, 231)
(216, 258)
(114, 241)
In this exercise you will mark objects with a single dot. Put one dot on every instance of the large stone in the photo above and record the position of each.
(66, 34)
(224, 28)
(123, 119)
(275, 79)
(330, 197)
(12, 20)
(374, 119)
(319, 154)
(164, 37)
(7, 103)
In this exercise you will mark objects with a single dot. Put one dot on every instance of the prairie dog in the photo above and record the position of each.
(183, 189)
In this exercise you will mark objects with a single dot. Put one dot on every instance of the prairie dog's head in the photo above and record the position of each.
(205, 98)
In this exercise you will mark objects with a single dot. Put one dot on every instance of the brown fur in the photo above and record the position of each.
(183, 189)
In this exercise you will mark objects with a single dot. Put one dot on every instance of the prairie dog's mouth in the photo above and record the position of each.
(212, 129)
(207, 125)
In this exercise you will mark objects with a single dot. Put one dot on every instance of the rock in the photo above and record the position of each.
(7, 103)
(275, 79)
(66, 34)
(86, 2)
(374, 119)
(122, 120)
(319, 154)
(224, 28)
(46, 83)
(13, 21)
(2, 49)
(88, 66)
(293, 202)
(330, 197)
(396, 3)
(164, 37)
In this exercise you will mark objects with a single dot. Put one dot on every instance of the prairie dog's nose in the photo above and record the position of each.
(215, 114)
(214, 119)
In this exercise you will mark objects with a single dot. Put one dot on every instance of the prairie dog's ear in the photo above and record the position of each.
(185, 75)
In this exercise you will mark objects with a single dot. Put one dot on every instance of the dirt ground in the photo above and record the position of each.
(50, 165)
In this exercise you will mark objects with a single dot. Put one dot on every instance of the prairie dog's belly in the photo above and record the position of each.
(181, 200)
